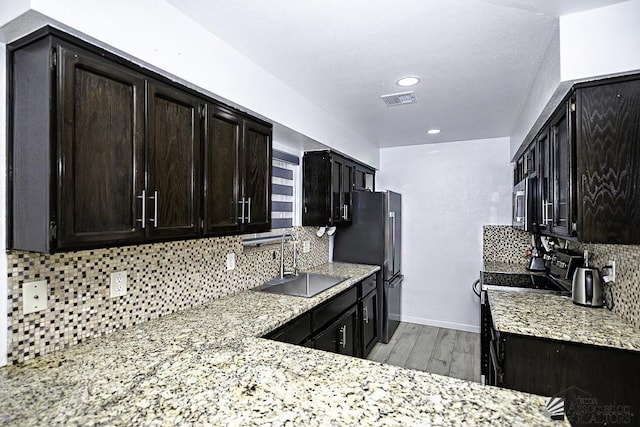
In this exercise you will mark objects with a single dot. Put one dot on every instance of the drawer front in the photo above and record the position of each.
(333, 308)
(367, 286)
(294, 332)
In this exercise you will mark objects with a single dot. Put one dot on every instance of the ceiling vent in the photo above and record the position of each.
(399, 98)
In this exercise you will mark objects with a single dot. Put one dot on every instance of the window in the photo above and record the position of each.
(285, 185)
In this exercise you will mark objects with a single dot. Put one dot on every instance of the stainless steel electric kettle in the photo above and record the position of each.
(586, 287)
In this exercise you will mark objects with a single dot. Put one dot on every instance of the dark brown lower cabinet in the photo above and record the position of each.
(599, 385)
(337, 325)
(369, 323)
(341, 336)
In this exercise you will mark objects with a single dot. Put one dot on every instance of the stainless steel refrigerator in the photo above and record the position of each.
(374, 237)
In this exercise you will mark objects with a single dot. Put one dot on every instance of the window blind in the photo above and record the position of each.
(283, 166)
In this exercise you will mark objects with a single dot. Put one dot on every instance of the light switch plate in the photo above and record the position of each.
(306, 246)
(118, 284)
(231, 261)
(34, 296)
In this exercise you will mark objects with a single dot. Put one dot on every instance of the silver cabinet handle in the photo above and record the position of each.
(143, 219)
(546, 218)
(241, 217)
(366, 314)
(249, 209)
(155, 209)
(346, 212)
(343, 339)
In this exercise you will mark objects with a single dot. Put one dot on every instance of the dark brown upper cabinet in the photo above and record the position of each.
(237, 174)
(589, 164)
(608, 162)
(329, 180)
(76, 156)
(222, 142)
(256, 177)
(561, 205)
(105, 153)
(173, 163)
(363, 178)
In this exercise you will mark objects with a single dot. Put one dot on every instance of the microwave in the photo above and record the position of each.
(524, 204)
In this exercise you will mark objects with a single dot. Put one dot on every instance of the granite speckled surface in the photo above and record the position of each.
(208, 366)
(538, 314)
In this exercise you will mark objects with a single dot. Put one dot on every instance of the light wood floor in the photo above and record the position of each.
(431, 349)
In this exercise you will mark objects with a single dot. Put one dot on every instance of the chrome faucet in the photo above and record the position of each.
(295, 261)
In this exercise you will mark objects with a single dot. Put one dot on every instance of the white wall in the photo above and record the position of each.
(448, 192)
(600, 41)
(545, 84)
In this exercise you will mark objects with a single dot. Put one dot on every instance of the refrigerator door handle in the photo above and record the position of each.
(396, 281)
(392, 228)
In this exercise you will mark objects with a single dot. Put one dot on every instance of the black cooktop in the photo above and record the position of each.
(524, 281)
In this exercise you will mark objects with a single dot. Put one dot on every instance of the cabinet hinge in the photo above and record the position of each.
(53, 230)
(54, 58)
(201, 111)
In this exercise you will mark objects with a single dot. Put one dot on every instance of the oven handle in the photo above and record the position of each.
(476, 287)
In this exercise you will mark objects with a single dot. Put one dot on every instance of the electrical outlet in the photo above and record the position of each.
(118, 284)
(306, 246)
(612, 274)
(34, 296)
(231, 261)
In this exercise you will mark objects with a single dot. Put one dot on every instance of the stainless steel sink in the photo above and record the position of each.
(303, 285)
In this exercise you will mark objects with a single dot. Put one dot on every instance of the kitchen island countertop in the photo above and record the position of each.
(208, 366)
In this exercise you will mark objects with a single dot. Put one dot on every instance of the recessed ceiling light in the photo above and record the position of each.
(408, 81)
(433, 131)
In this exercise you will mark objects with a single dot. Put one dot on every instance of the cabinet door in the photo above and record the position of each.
(369, 323)
(222, 171)
(562, 219)
(608, 158)
(340, 336)
(336, 191)
(101, 122)
(316, 183)
(341, 190)
(545, 181)
(173, 162)
(347, 190)
(256, 177)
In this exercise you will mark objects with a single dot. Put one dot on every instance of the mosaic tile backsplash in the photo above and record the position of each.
(162, 278)
(503, 243)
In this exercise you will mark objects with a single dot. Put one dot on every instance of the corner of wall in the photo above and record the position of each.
(541, 91)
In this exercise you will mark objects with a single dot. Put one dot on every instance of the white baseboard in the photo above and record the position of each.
(436, 323)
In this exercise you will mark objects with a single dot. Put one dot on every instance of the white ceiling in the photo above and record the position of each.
(477, 59)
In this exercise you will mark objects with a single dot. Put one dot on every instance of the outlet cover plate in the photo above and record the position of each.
(34, 296)
(118, 284)
(231, 261)
(306, 246)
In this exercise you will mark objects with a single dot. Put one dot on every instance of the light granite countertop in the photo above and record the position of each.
(208, 366)
(539, 314)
